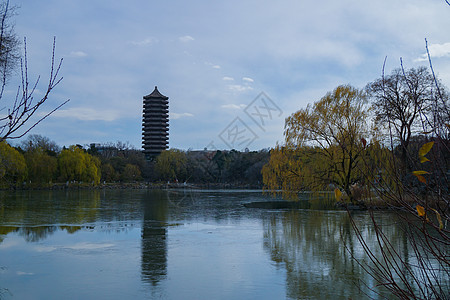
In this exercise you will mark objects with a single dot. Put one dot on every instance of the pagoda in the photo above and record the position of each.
(155, 124)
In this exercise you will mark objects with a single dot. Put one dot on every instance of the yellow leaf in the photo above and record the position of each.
(337, 194)
(425, 149)
(420, 210)
(420, 172)
(421, 178)
(438, 216)
(423, 159)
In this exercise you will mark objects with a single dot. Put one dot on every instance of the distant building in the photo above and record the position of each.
(155, 124)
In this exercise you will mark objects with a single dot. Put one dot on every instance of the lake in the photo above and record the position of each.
(179, 244)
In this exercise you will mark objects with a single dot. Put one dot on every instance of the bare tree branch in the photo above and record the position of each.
(16, 123)
(16, 115)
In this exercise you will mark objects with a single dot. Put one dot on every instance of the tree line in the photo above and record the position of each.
(219, 167)
(39, 162)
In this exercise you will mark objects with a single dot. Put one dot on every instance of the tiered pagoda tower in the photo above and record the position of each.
(155, 125)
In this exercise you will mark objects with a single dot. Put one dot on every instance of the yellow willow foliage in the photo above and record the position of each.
(13, 169)
(324, 145)
(283, 172)
(340, 116)
(42, 168)
(171, 165)
(76, 164)
(381, 166)
(337, 194)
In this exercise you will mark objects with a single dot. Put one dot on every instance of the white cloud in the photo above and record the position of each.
(87, 114)
(439, 50)
(77, 54)
(145, 42)
(214, 66)
(20, 273)
(186, 38)
(226, 78)
(239, 88)
(176, 116)
(436, 51)
(248, 79)
(234, 106)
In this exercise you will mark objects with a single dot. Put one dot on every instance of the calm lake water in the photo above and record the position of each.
(139, 244)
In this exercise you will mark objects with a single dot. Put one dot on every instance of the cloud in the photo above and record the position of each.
(248, 79)
(87, 114)
(214, 66)
(20, 273)
(77, 54)
(145, 42)
(436, 51)
(239, 88)
(176, 116)
(226, 78)
(186, 38)
(234, 106)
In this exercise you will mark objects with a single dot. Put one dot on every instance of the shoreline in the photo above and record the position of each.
(135, 185)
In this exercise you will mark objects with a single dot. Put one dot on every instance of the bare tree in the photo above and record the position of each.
(399, 102)
(16, 114)
(34, 141)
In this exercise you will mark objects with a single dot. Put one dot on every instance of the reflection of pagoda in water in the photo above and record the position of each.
(155, 125)
(154, 243)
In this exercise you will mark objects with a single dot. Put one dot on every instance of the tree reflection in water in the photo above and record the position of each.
(316, 249)
(154, 231)
(32, 214)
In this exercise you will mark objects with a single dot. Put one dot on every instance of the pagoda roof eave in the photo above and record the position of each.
(156, 94)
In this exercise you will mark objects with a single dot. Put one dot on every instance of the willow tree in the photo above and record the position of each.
(13, 169)
(171, 165)
(324, 144)
(290, 170)
(76, 164)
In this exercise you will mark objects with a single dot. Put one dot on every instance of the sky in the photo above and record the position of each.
(233, 70)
